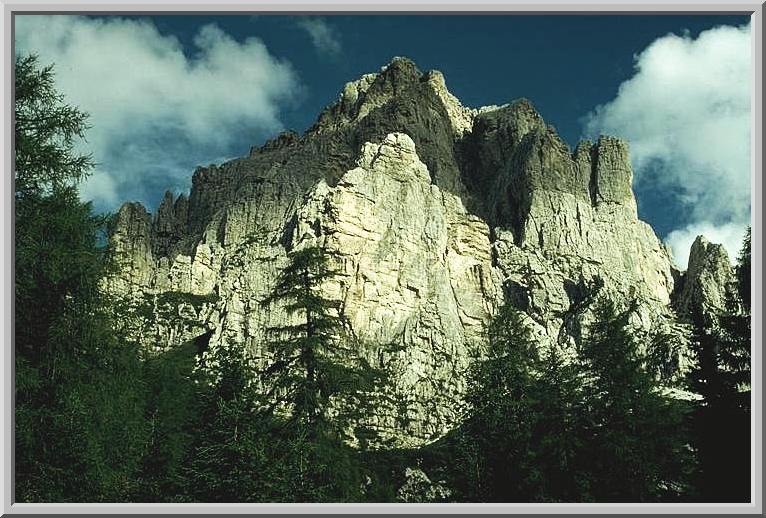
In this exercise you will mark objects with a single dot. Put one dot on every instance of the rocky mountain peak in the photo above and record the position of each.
(435, 214)
(399, 80)
(170, 223)
(399, 72)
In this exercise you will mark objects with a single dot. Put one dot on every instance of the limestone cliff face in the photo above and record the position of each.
(708, 281)
(434, 214)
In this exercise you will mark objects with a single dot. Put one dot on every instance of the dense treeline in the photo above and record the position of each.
(722, 431)
(593, 429)
(98, 419)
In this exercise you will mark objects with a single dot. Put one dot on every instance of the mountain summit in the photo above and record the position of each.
(433, 213)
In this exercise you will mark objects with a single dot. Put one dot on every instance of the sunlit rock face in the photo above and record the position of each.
(432, 213)
(708, 282)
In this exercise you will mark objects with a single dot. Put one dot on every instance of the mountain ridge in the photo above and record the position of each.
(435, 214)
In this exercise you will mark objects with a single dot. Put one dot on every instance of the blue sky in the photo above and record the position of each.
(167, 93)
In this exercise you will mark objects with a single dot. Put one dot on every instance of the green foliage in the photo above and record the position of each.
(668, 354)
(79, 394)
(517, 444)
(229, 460)
(743, 270)
(57, 261)
(80, 430)
(172, 411)
(315, 361)
(243, 453)
(316, 371)
(46, 129)
(723, 341)
(541, 429)
(636, 441)
(722, 420)
(734, 337)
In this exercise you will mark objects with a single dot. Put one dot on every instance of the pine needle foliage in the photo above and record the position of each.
(46, 130)
(593, 428)
(518, 442)
(79, 393)
(316, 358)
(722, 420)
(635, 436)
(319, 376)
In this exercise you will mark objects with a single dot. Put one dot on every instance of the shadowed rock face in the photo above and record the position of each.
(433, 213)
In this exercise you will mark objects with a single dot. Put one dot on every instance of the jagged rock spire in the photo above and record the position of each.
(435, 213)
(708, 282)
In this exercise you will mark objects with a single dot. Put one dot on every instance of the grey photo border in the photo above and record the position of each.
(329, 7)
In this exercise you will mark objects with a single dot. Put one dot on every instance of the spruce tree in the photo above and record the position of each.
(722, 420)
(315, 357)
(735, 333)
(80, 429)
(518, 443)
(634, 441)
(236, 455)
(557, 438)
(593, 428)
(743, 270)
(501, 400)
(318, 378)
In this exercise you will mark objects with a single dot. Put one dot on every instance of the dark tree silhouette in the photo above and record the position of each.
(319, 378)
(635, 440)
(722, 420)
(80, 431)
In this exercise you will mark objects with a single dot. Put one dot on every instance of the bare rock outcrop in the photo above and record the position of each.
(434, 214)
(708, 282)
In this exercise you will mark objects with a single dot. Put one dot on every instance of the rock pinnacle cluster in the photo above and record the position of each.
(434, 214)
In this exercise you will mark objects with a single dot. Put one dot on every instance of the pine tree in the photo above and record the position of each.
(722, 420)
(317, 376)
(46, 129)
(634, 442)
(517, 443)
(734, 334)
(174, 404)
(315, 358)
(558, 439)
(593, 428)
(501, 402)
(79, 396)
(743, 270)
(236, 455)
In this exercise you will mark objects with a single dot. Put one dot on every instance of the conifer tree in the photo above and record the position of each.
(558, 439)
(79, 396)
(315, 358)
(236, 455)
(735, 333)
(317, 371)
(722, 420)
(500, 399)
(517, 443)
(635, 441)
(743, 270)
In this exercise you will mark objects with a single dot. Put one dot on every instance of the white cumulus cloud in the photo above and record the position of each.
(686, 115)
(730, 235)
(157, 111)
(323, 36)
